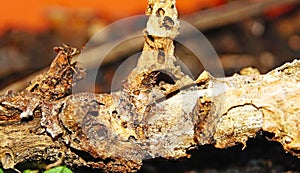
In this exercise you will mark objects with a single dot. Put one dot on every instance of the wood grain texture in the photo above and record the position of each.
(161, 112)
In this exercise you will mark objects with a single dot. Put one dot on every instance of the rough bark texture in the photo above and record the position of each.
(161, 112)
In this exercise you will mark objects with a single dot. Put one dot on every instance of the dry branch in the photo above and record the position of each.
(161, 112)
(204, 20)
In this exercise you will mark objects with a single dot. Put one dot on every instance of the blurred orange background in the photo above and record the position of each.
(31, 15)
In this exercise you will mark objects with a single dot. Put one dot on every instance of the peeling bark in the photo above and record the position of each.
(161, 112)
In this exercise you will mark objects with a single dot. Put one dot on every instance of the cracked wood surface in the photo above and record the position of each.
(161, 112)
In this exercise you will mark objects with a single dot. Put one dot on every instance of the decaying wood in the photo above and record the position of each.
(232, 12)
(161, 112)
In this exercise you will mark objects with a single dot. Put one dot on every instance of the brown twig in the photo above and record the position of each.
(233, 12)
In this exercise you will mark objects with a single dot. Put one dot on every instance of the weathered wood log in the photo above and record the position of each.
(161, 112)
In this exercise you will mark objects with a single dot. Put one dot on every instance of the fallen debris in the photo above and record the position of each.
(161, 112)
